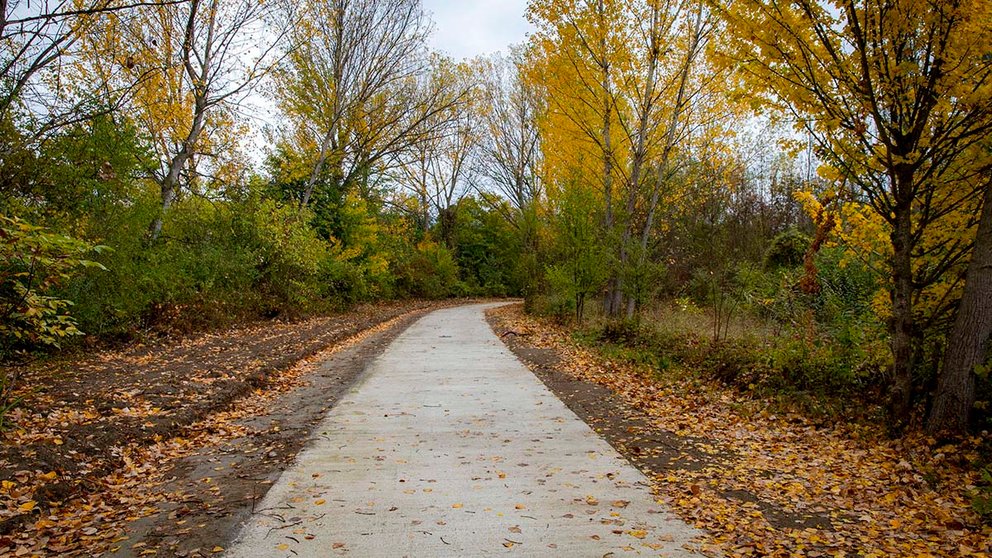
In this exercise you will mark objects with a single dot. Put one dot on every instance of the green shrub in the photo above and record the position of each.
(286, 255)
(430, 271)
(34, 262)
(787, 249)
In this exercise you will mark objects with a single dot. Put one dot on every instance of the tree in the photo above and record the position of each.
(968, 344)
(201, 59)
(436, 166)
(622, 80)
(575, 54)
(894, 93)
(510, 149)
(580, 270)
(38, 44)
(351, 85)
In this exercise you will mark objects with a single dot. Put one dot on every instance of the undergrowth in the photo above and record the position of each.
(788, 374)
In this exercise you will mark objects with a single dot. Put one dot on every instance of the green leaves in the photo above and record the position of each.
(34, 262)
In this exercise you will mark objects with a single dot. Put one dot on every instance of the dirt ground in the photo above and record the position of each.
(162, 449)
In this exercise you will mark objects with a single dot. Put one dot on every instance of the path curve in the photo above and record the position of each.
(450, 446)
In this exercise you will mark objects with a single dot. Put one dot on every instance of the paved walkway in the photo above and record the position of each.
(451, 447)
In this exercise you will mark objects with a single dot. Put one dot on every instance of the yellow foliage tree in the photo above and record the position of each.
(896, 94)
(191, 64)
(627, 87)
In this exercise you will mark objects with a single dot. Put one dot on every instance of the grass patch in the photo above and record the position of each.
(785, 372)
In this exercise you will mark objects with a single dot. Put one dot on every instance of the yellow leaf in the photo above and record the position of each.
(320, 502)
(27, 506)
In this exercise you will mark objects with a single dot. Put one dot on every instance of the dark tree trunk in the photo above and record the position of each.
(446, 222)
(902, 324)
(968, 344)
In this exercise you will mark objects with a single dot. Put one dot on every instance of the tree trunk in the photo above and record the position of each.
(901, 326)
(614, 288)
(168, 196)
(447, 222)
(169, 184)
(615, 306)
(968, 344)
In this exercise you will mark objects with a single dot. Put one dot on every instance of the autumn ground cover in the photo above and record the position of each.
(761, 483)
(178, 432)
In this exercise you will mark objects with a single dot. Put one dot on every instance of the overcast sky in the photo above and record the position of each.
(468, 28)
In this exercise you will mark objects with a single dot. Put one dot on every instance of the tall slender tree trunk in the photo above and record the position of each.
(169, 184)
(968, 344)
(670, 137)
(329, 145)
(902, 323)
(168, 196)
(326, 146)
(614, 286)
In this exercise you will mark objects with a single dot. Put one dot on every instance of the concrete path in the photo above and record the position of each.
(452, 447)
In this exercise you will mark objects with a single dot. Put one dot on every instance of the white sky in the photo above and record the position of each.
(468, 28)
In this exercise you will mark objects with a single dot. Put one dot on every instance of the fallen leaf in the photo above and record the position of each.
(27, 506)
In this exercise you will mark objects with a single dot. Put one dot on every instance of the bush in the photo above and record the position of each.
(787, 249)
(815, 372)
(34, 262)
(286, 254)
(427, 270)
